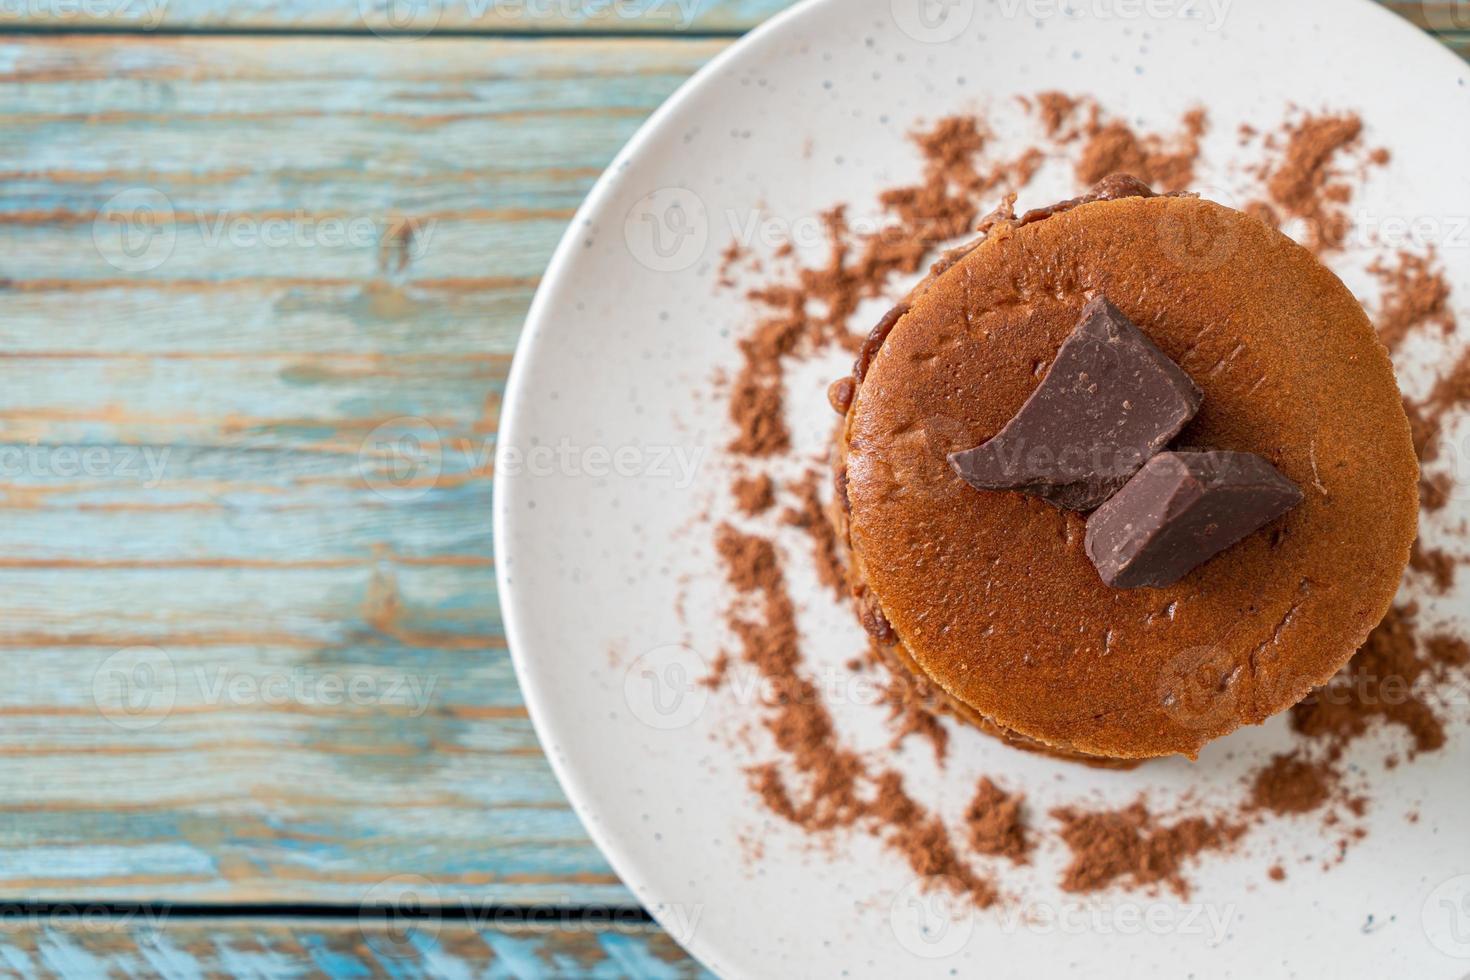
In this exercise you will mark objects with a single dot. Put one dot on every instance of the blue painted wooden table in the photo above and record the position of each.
(261, 719)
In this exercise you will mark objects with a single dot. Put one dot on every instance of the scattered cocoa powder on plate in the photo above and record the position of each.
(1292, 784)
(820, 784)
(996, 824)
(1416, 294)
(810, 515)
(1378, 686)
(1165, 163)
(910, 712)
(754, 494)
(1307, 182)
(1131, 845)
(1435, 563)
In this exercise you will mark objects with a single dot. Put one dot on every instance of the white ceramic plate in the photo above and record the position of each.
(611, 453)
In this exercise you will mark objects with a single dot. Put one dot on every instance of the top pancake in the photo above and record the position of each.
(992, 593)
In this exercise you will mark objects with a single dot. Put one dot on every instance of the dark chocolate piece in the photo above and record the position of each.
(1181, 510)
(1110, 401)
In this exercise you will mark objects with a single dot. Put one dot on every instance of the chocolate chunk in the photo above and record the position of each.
(1181, 510)
(1110, 401)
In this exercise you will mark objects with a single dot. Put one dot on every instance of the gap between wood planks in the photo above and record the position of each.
(366, 34)
(500, 916)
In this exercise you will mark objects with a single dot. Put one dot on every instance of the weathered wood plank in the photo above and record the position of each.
(77, 941)
(403, 20)
(188, 463)
(396, 19)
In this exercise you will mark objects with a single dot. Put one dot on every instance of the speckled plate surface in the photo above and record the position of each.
(611, 467)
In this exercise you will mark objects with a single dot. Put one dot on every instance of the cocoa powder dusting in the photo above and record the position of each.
(1129, 844)
(1292, 784)
(811, 311)
(996, 823)
(1379, 686)
(1306, 184)
(810, 515)
(1436, 564)
(910, 711)
(1165, 163)
(819, 783)
(1416, 294)
(754, 494)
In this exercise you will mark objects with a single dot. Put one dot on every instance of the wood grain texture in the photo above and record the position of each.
(82, 942)
(396, 18)
(409, 19)
(189, 461)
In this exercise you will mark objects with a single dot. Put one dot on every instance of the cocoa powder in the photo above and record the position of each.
(1165, 163)
(1292, 784)
(809, 514)
(754, 494)
(1306, 182)
(996, 824)
(1416, 295)
(1131, 845)
(820, 784)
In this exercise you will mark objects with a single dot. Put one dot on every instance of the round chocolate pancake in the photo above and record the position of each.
(991, 595)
